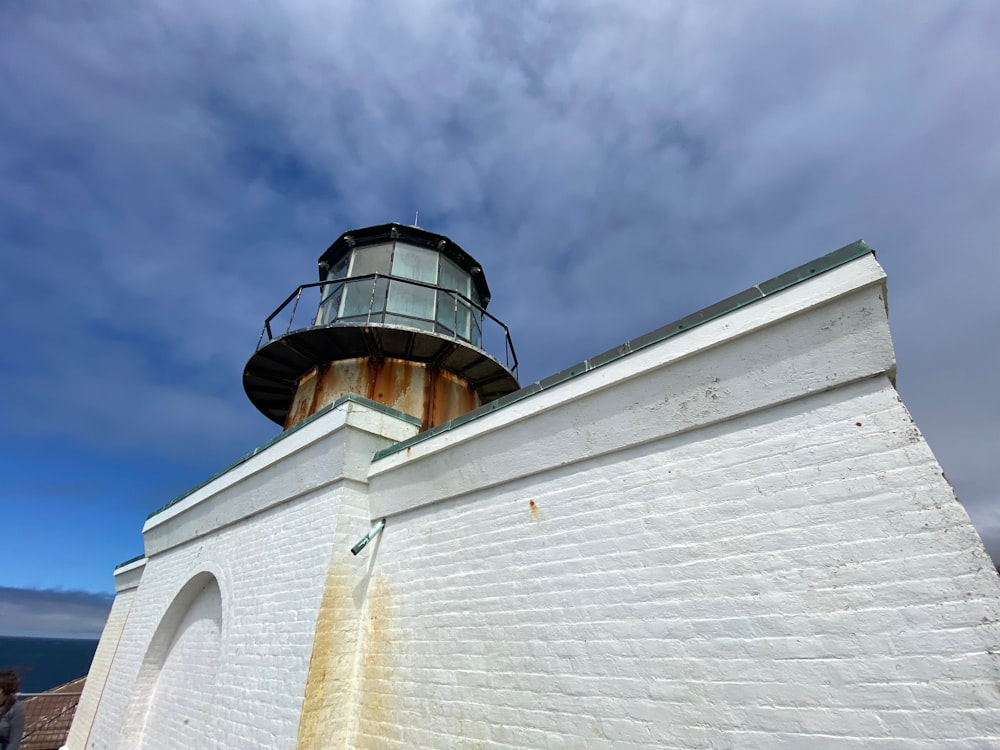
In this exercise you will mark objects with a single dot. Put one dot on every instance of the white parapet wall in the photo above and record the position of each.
(127, 577)
(217, 643)
(728, 535)
(734, 538)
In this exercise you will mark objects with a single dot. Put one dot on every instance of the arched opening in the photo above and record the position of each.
(175, 688)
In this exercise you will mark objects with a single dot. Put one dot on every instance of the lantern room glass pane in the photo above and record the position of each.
(454, 278)
(415, 263)
(453, 310)
(356, 298)
(476, 324)
(339, 269)
(363, 296)
(411, 300)
(447, 312)
(476, 328)
(453, 314)
(330, 294)
(371, 259)
(429, 291)
(330, 303)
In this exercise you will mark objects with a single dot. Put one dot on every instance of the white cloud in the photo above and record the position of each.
(171, 171)
(52, 613)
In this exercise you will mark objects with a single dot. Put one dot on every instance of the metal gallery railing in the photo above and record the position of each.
(383, 299)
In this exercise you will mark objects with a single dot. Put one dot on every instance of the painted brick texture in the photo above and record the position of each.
(262, 535)
(799, 577)
(734, 538)
(177, 715)
(270, 570)
(100, 668)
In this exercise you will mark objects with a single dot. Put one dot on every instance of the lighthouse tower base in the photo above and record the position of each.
(429, 393)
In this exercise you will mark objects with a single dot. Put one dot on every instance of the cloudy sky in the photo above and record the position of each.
(170, 171)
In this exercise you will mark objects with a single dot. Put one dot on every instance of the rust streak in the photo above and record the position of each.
(426, 418)
(377, 697)
(424, 391)
(325, 708)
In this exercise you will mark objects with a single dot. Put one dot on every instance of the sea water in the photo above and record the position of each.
(44, 663)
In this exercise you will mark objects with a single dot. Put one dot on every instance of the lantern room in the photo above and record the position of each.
(398, 316)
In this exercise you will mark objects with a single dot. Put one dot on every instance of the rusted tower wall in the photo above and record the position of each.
(421, 390)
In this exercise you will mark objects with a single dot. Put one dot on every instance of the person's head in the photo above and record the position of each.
(9, 685)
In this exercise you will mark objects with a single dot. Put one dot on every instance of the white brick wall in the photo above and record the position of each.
(734, 538)
(818, 335)
(799, 577)
(177, 715)
(270, 561)
(329, 693)
(126, 580)
(270, 570)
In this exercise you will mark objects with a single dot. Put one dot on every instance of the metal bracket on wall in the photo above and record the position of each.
(368, 537)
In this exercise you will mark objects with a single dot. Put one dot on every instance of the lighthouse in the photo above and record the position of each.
(398, 316)
(385, 587)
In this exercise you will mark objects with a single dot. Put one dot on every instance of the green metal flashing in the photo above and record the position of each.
(137, 558)
(376, 406)
(350, 397)
(797, 275)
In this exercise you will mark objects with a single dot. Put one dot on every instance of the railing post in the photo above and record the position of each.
(294, 308)
(371, 299)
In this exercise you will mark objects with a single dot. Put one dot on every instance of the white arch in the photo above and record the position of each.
(185, 650)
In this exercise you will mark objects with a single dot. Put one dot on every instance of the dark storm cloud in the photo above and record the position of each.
(171, 171)
(52, 613)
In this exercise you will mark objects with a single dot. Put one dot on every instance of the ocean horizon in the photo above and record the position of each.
(45, 663)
